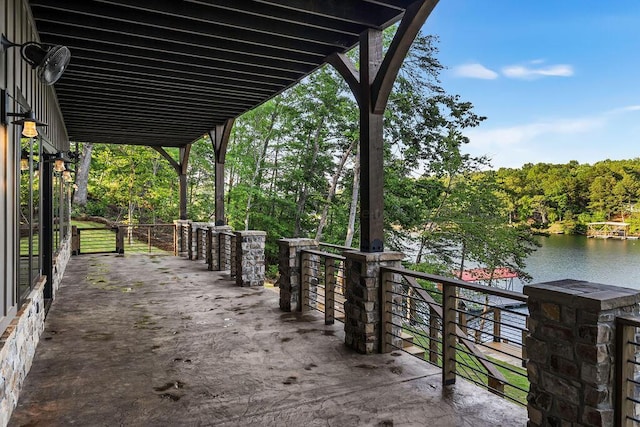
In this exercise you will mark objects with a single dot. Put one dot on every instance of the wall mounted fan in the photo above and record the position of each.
(50, 62)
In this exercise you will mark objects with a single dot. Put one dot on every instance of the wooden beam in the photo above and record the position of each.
(184, 158)
(167, 156)
(220, 139)
(222, 134)
(414, 18)
(348, 71)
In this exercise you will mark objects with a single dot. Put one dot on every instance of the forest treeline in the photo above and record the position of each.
(565, 197)
(292, 170)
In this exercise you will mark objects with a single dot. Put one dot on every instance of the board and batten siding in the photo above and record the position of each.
(26, 92)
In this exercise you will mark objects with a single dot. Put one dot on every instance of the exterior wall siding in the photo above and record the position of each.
(20, 327)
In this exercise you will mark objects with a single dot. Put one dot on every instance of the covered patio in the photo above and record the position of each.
(180, 345)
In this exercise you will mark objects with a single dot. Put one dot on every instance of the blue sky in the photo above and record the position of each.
(559, 80)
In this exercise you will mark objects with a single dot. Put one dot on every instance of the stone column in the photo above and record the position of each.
(362, 323)
(571, 351)
(250, 258)
(290, 267)
(196, 239)
(214, 255)
(183, 236)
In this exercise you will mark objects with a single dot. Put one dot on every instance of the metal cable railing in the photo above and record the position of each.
(134, 238)
(627, 364)
(469, 330)
(322, 284)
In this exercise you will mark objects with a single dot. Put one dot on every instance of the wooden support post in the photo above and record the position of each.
(220, 139)
(497, 324)
(149, 238)
(371, 147)
(371, 86)
(190, 242)
(329, 291)
(449, 337)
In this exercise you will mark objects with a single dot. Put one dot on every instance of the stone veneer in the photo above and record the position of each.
(571, 352)
(19, 341)
(362, 323)
(213, 257)
(183, 236)
(290, 269)
(249, 259)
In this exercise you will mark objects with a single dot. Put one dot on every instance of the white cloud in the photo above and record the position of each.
(513, 136)
(628, 108)
(475, 71)
(529, 73)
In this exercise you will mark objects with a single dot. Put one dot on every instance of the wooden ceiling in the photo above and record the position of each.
(165, 72)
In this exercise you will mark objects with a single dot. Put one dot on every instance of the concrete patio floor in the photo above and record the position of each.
(160, 341)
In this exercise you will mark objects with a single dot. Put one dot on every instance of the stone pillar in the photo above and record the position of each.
(571, 351)
(215, 258)
(250, 258)
(362, 325)
(196, 239)
(290, 269)
(183, 237)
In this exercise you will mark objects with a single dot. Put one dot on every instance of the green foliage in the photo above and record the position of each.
(572, 194)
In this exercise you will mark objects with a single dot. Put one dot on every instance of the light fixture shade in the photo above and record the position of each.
(24, 164)
(29, 129)
(58, 165)
(66, 175)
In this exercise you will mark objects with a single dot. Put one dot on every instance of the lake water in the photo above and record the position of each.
(607, 261)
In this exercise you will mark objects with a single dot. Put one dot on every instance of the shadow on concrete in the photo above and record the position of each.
(160, 341)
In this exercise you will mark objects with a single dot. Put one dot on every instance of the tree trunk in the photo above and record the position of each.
(82, 175)
(353, 210)
(429, 226)
(332, 191)
(304, 192)
(257, 174)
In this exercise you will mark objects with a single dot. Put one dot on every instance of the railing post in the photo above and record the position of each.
(210, 248)
(303, 304)
(190, 242)
(497, 324)
(175, 240)
(570, 346)
(119, 240)
(233, 256)
(75, 240)
(449, 337)
(149, 238)
(625, 334)
(329, 291)
(391, 309)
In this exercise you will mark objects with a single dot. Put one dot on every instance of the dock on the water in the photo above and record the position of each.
(608, 230)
